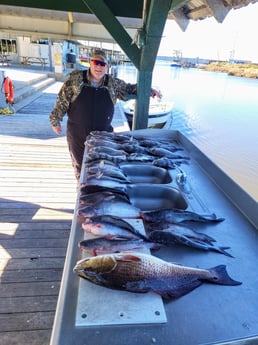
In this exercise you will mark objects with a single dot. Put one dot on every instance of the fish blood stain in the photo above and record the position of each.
(84, 315)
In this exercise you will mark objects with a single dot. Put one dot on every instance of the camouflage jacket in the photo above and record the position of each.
(118, 89)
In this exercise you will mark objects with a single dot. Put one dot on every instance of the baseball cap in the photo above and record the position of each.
(98, 53)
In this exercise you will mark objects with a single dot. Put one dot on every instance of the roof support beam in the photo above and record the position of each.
(178, 3)
(70, 24)
(113, 26)
(154, 20)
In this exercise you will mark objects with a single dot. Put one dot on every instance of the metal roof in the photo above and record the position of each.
(135, 25)
(75, 19)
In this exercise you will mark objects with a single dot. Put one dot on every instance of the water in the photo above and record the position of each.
(217, 112)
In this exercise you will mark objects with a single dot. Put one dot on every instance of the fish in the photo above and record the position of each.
(171, 147)
(97, 246)
(102, 134)
(111, 227)
(135, 148)
(140, 273)
(107, 170)
(117, 137)
(104, 182)
(95, 198)
(106, 149)
(88, 189)
(93, 162)
(89, 199)
(168, 144)
(123, 138)
(92, 142)
(105, 176)
(110, 207)
(175, 216)
(147, 142)
(110, 176)
(188, 237)
(91, 156)
(161, 152)
(99, 164)
(168, 163)
(139, 157)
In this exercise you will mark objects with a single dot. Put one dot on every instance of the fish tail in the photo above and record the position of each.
(222, 250)
(214, 218)
(219, 275)
(208, 218)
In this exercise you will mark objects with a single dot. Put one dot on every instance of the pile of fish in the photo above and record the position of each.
(117, 148)
(111, 233)
(105, 213)
(103, 196)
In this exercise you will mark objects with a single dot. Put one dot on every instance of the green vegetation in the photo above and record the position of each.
(247, 70)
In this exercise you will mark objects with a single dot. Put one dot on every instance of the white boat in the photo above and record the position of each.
(159, 112)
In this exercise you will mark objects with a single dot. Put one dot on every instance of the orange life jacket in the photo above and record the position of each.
(8, 90)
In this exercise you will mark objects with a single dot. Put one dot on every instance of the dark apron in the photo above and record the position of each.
(92, 110)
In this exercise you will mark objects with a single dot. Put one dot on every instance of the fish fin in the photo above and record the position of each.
(179, 291)
(220, 276)
(99, 174)
(182, 230)
(101, 164)
(221, 250)
(153, 245)
(128, 257)
(210, 217)
(199, 244)
(119, 237)
(108, 198)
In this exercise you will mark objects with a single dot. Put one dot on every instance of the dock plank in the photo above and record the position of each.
(37, 201)
(23, 276)
(30, 303)
(29, 289)
(18, 253)
(26, 321)
(26, 337)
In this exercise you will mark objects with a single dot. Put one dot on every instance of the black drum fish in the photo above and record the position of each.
(161, 152)
(101, 245)
(111, 207)
(102, 155)
(137, 272)
(188, 237)
(174, 215)
(169, 163)
(88, 189)
(95, 198)
(111, 227)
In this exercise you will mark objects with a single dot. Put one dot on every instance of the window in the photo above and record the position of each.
(7, 46)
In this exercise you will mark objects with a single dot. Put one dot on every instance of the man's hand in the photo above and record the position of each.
(155, 93)
(57, 129)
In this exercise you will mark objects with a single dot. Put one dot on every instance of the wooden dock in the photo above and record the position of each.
(37, 200)
(38, 193)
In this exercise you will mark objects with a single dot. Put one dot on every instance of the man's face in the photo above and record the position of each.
(98, 68)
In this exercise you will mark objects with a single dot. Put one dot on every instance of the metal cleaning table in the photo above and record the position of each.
(211, 314)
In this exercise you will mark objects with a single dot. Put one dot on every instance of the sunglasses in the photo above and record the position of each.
(99, 63)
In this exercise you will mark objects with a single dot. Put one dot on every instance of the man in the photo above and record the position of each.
(88, 97)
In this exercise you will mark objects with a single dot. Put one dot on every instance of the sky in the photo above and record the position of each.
(209, 39)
